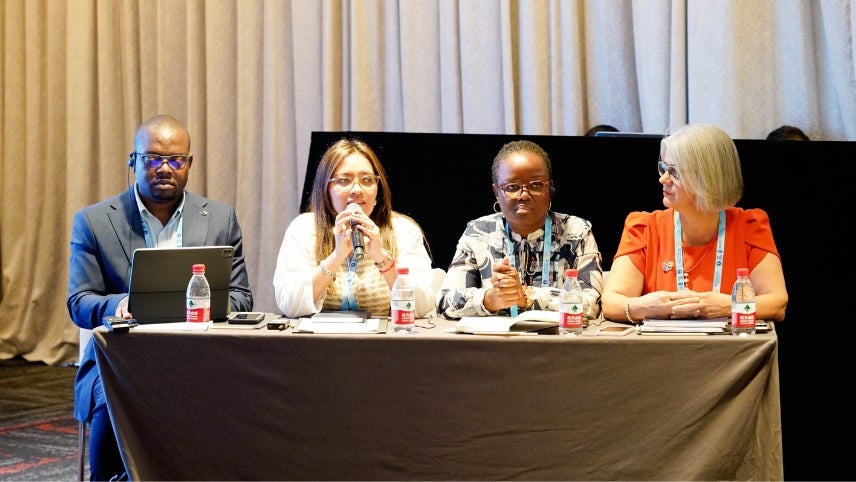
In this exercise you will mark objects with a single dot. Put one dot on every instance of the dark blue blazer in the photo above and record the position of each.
(103, 239)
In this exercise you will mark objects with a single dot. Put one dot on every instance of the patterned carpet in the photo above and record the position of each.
(38, 435)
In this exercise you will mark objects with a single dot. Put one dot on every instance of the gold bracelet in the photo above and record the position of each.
(326, 271)
(627, 312)
(531, 297)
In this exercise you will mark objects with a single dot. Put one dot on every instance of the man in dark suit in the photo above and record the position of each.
(155, 212)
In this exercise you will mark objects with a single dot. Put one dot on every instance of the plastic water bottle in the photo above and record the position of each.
(403, 303)
(743, 305)
(571, 306)
(198, 299)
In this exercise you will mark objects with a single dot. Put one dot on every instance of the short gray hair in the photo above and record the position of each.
(708, 165)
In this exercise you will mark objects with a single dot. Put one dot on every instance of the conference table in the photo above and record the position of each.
(241, 404)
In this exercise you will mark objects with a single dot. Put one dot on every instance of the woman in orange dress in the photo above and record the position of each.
(681, 262)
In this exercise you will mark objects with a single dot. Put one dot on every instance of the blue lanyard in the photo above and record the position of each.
(679, 253)
(349, 303)
(545, 258)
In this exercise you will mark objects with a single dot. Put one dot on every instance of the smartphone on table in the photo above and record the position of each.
(246, 317)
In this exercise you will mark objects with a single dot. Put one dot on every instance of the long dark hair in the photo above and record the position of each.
(322, 206)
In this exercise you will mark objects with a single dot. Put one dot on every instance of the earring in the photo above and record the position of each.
(496, 207)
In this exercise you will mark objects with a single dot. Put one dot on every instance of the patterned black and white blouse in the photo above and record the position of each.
(484, 243)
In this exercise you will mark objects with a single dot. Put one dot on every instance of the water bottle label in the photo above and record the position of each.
(198, 310)
(403, 312)
(571, 316)
(743, 315)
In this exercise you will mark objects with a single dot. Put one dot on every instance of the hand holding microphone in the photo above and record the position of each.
(356, 234)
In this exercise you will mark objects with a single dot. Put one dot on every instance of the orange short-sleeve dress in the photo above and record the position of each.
(648, 239)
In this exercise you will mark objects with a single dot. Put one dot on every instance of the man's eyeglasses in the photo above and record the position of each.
(514, 189)
(154, 161)
(345, 182)
(663, 168)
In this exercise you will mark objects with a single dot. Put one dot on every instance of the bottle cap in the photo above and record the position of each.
(402, 270)
(571, 273)
(742, 271)
(198, 268)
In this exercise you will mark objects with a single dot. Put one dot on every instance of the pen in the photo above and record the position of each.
(506, 333)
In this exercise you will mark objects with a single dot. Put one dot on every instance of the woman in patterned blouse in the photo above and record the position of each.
(515, 259)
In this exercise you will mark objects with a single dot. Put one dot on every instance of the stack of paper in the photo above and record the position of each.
(711, 326)
(341, 316)
(530, 322)
(341, 322)
(309, 325)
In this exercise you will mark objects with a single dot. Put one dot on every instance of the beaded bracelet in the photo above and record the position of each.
(326, 271)
(386, 259)
(388, 267)
(627, 312)
(383, 261)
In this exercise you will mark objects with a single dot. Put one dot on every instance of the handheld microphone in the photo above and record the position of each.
(356, 234)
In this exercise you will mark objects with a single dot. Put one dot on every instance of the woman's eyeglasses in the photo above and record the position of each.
(535, 188)
(663, 168)
(153, 161)
(345, 182)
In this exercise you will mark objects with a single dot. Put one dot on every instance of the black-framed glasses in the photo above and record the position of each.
(515, 189)
(154, 161)
(367, 181)
(663, 168)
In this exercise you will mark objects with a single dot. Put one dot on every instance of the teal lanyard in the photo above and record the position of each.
(679, 253)
(349, 303)
(545, 258)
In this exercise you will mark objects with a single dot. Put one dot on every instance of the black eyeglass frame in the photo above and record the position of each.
(515, 189)
(176, 162)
